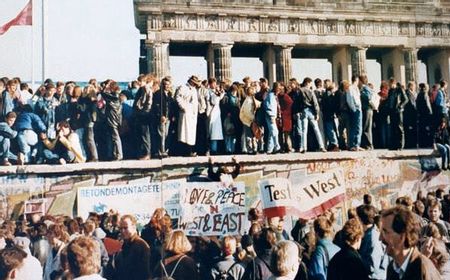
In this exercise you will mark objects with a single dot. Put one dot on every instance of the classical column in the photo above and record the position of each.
(438, 66)
(222, 61)
(393, 65)
(158, 59)
(283, 60)
(411, 65)
(268, 60)
(358, 58)
(341, 64)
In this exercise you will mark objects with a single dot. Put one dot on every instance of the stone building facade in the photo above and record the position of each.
(397, 33)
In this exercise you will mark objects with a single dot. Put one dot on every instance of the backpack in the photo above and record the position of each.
(225, 275)
(166, 276)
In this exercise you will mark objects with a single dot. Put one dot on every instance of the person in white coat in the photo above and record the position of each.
(215, 133)
(187, 99)
(31, 268)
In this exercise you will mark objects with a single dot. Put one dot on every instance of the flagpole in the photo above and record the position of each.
(44, 39)
(32, 46)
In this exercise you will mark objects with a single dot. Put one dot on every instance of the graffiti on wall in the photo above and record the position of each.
(385, 179)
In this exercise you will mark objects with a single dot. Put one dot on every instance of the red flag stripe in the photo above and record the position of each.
(25, 17)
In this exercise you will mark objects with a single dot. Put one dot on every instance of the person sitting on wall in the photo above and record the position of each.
(65, 148)
(6, 134)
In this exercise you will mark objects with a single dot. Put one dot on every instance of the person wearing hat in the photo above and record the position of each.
(187, 99)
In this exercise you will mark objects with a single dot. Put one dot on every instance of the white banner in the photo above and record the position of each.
(208, 208)
(171, 197)
(310, 195)
(140, 200)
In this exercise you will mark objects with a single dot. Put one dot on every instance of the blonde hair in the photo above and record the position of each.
(229, 245)
(177, 243)
(285, 258)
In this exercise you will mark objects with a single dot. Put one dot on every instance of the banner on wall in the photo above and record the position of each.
(171, 197)
(208, 208)
(307, 198)
(140, 200)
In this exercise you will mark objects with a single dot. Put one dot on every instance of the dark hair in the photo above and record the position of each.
(367, 198)
(317, 82)
(366, 214)
(11, 115)
(442, 83)
(354, 78)
(404, 222)
(265, 239)
(306, 80)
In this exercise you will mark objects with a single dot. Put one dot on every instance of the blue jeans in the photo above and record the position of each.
(330, 128)
(5, 154)
(53, 157)
(214, 146)
(444, 151)
(308, 117)
(26, 139)
(355, 129)
(230, 143)
(272, 138)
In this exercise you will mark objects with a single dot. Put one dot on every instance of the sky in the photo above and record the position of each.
(98, 39)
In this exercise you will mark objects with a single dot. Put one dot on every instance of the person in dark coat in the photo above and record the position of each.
(113, 113)
(176, 263)
(397, 100)
(134, 259)
(330, 108)
(260, 268)
(410, 115)
(424, 116)
(162, 116)
(347, 263)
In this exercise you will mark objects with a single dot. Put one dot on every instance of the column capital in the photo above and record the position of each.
(220, 45)
(284, 46)
(360, 47)
(410, 49)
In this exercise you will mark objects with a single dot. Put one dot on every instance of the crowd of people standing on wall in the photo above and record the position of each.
(66, 123)
(410, 240)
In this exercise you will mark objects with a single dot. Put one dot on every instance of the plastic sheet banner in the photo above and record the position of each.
(140, 200)
(208, 208)
(307, 198)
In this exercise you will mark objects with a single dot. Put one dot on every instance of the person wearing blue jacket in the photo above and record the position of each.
(6, 134)
(28, 125)
(325, 249)
(372, 250)
(270, 105)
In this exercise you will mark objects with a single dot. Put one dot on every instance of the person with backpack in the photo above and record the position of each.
(176, 265)
(227, 268)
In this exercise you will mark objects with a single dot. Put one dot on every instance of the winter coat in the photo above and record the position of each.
(187, 100)
(286, 112)
(113, 109)
(248, 110)
(214, 116)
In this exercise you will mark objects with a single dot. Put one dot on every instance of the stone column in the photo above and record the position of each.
(158, 59)
(358, 59)
(438, 66)
(341, 64)
(283, 61)
(411, 65)
(222, 61)
(393, 66)
(268, 60)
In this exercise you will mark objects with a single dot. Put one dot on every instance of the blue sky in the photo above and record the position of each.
(98, 38)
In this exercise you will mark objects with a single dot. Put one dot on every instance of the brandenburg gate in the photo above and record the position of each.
(397, 33)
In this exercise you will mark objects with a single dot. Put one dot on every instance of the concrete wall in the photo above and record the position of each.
(385, 174)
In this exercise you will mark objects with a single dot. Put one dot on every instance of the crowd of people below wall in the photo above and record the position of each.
(66, 123)
(408, 241)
